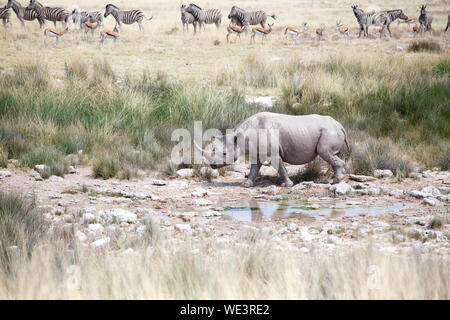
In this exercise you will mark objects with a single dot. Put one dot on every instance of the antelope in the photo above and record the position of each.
(87, 25)
(261, 32)
(51, 32)
(112, 34)
(294, 32)
(319, 33)
(408, 21)
(235, 30)
(416, 30)
(343, 30)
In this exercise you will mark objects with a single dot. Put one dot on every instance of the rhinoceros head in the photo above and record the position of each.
(222, 151)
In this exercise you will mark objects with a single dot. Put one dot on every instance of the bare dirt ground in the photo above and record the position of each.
(381, 212)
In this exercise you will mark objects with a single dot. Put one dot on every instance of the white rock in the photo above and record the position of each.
(204, 171)
(211, 213)
(373, 191)
(360, 178)
(40, 168)
(4, 174)
(119, 215)
(415, 175)
(292, 227)
(100, 242)
(396, 193)
(157, 182)
(430, 201)
(89, 218)
(431, 190)
(141, 230)
(340, 188)
(185, 173)
(417, 194)
(383, 173)
(95, 229)
(55, 196)
(199, 192)
(268, 171)
(202, 202)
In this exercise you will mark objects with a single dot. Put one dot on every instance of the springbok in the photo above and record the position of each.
(408, 21)
(294, 32)
(87, 25)
(416, 30)
(235, 30)
(260, 32)
(51, 32)
(319, 33)
(111, 34)
(343, 30)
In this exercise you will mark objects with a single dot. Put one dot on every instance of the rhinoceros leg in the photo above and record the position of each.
(284, 175)
(254, 170)
(328, 149)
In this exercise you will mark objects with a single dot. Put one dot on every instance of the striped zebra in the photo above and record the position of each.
(205, 16)
(391, 16)
(23, 13)
(244, 18)
(81, 17)
(187, 19)
(5, 15)
(369, 19)
(126, 17)
(50, 14)
(425, 18)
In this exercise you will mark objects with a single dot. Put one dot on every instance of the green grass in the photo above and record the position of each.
(122, 126)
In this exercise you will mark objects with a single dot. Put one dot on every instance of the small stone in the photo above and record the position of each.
(383, 173)
(396, 193)
(55, 196)
(202, 202)
(417, 194)
(199, 192)
(54, 178)
(100, 242)
(185, 173)
(119, 215)
(430, 201)
(40, 168)
(4, 174)
(157, 182)
(360, 178)
(415, 175)
(341, 188)
(292, 227)
(205, 171)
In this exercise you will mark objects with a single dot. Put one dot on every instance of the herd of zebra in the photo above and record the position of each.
(240, 20)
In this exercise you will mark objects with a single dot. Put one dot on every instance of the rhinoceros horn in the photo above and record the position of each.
(206, 155)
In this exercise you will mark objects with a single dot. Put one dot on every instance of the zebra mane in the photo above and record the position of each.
(111, 5)
(239, 9)
(395, 10)
(194, 5)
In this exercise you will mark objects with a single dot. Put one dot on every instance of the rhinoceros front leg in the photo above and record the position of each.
(254, 170)
(284, 175)
(337, 164)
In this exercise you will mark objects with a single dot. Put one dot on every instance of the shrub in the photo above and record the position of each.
(424, 46)
(106, 167)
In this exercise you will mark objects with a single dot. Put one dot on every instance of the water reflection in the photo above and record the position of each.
(254, 210)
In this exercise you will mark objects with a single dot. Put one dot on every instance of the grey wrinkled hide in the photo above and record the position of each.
(301, 139)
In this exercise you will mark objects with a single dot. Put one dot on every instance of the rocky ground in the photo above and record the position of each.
(94, 210)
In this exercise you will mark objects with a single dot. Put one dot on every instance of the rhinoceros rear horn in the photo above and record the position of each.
(206, 155)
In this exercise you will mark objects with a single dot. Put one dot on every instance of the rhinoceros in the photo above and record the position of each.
(300, 140)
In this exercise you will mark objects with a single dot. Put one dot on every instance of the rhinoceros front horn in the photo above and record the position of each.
(205, 154)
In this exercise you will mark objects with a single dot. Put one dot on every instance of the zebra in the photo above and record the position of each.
(83, 16)
(51, 14)
(425, 18)
(126, 17)
(23, 13)
(391, 16)
(245, 18)
(187, 19)
(205, 16)
(5, 15)
(369, 19)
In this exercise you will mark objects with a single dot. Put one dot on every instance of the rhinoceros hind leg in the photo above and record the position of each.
(254, 170)
(284, 175)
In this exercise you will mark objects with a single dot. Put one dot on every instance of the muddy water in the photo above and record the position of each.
(255, 210)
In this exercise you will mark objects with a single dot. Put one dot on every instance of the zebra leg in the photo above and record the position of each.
(389, 29)
(141, 28)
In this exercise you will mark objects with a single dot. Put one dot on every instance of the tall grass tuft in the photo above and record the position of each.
(21, 227)
(424, 46)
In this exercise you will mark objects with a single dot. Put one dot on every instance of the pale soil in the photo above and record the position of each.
(173, 205)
